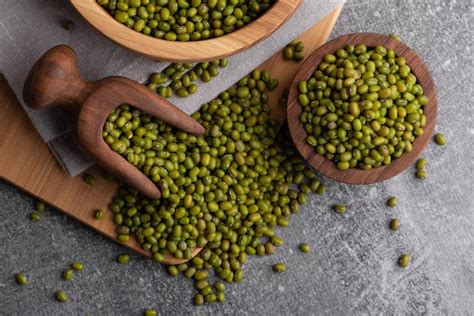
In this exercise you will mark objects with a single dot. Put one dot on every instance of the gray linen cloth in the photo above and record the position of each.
(28, 28)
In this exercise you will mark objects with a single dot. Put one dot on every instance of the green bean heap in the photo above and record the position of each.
(181, 77)
(185, 20)
(225, 191)
(362, 107)
(294, 51)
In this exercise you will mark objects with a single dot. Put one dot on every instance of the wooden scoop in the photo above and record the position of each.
(55, 81)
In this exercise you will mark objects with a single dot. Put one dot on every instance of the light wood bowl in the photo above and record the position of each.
(354, 175)
(191, 51)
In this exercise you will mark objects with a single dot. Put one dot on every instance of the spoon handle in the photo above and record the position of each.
(55, 81)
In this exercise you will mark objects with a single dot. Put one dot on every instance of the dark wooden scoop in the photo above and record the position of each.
(55, 81)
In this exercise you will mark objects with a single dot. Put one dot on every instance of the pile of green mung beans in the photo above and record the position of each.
(180, 78)
(185, 20)
(362, 107)
(225, 191)
(294, 51)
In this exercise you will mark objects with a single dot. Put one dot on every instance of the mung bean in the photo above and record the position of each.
(279, 267)
(305, 248)
(61, 296)
(392, 201)
(339, 208)
(439, 139)
(89, 179)
(394, 224)
(21, 278)
(123, 259)
(404, 261)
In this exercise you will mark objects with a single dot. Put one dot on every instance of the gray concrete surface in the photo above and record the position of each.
(352, 269)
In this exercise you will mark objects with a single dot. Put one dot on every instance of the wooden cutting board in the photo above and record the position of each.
(27, 163)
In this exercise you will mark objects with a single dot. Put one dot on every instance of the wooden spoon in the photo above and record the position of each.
(55, 81)
(359, 176)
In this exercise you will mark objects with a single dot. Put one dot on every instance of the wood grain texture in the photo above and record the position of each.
(55, 81)
(191, 51)
(27, 163)
(358, 176)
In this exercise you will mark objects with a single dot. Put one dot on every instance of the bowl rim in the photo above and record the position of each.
(355, 175)
(191, 51)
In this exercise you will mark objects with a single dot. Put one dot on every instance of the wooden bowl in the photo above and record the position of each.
(354, 175)
(192, 51)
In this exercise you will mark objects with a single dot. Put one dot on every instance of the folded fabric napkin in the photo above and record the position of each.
(25, 34)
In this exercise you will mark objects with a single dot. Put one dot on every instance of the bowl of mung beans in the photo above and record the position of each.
(362, 108)
(186, 30)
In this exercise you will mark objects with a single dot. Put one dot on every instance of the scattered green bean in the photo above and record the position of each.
(395, 36)
(394, 224)
(305, 248)
(89, 179)
(78, 266)
(404, 261)
(35, 216)
(339, 208)
(68, 274)
(392, 201)
(99, 214)
(421, 174)
(279, 267)
(123, 259)
(150, 312)
(420, 164)
(40, 206)
(21, 278)
(61, 296)
(439, 139)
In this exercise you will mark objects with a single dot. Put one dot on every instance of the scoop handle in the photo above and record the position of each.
(55, 80)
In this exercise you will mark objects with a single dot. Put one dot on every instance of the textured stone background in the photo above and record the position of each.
(352, 269)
